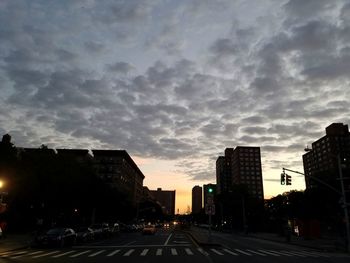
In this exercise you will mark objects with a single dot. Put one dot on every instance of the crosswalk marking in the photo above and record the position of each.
(217, 252)
(203, 252)
(294, 253)
(46, 254)
(188, 251)
(79, 254)
(129, 253)
(269, 253)
(243, 252)
(113, 253)
(63, 254)
(230, 252)
(258, 253)
(173, 251)
(96, 253)
(144, 252)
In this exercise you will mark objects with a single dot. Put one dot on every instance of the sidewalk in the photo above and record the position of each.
(14, 241)
(331, 245)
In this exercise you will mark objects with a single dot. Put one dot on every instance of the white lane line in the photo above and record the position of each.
(128, 244)
(230, 252)
(113, 253)
(174, 252)
(63, 254)
(269, 253)
(306, 254)
(129, 253)
(217, 252)
(79, 254)
(96, 253)
(144, 252)
(13, 253)
(168, 239)
(189, 251)
(46, 254)
(243, 252)
(258, 253)
(203, 252)
(159, 252)
(34, 253)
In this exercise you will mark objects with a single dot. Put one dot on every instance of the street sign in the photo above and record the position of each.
(210, 209)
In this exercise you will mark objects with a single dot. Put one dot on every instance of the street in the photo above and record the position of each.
(174, 246)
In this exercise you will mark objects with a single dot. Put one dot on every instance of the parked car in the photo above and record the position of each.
(84, 234)
(101, 230)
(149, 229)
(57, 237)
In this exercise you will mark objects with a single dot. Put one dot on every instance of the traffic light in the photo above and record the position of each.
(288, 180)
(283, 178)
(210, 190)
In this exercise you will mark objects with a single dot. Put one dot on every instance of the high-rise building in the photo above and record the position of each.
(321, 161)
(166, 200)
(240, 166)
(197, 202)
(118, 169)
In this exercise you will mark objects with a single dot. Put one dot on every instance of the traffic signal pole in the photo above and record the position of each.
(342, 193)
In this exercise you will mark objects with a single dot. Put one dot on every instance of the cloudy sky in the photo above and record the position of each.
(175, 82)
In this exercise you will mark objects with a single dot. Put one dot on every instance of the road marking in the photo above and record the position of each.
(79, 254)
(13, 253)
(188, 251)
(129, 253)
(159, 252)
(97, 253)
(174, 252)
(113, 253)
(203, 252)
(216, 252)
(243, 252)
(294, 253)
(314, 253)
(63, 254)
(46, 254)
(230, 252)
(281, 253)
(269, 253)
(167, 241)
(36, 252)
(144, 252)
(258, 253)
(128, 244)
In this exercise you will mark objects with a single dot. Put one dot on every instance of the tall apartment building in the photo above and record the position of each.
(118, 169)
(166, 200)
(197, 201)
(321, 160)
(241, 166)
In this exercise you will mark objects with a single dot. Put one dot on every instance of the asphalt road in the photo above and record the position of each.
(174, 246)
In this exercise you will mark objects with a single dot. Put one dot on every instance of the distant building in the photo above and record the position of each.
(166, 199)
(321, 160)
(240, 166)
(206, 191)
(197, 202)
(118, 169)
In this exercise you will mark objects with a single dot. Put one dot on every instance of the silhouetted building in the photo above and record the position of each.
(197, 203)
(321, 160)
(79, 155)
(206, 193)
(240, 166)
(166, 199)
(118, 169)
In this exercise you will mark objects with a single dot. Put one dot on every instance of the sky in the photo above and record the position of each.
(175, 82)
